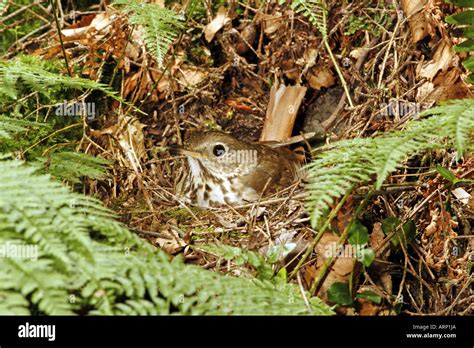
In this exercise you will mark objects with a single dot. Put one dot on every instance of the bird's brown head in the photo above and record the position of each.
(220, 154)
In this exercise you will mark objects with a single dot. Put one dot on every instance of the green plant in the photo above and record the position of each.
(317, 13)
(465, 19)
(404, 236)
(72, 166)
(449, 175)
(372, 20)
(358, 238)
(337, 167)
(10, 126)
(27, 81)
(20, 80)
(25, 74)
(17, 19)
(161, 25)
(340, 294)
(240, 257)
(356, 23)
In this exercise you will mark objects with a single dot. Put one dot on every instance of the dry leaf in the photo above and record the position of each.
(281, 112)
(129, 133)
(376, 239)
(341, 268)
(448, 85)
(435, 238)
(420, 26)
(246, 38)
(442, 60)
(462, 195)
(270, 23)
(130, 83)
(216, 24)
(321, 77)
(100, 22)
(386, 281)
(327, 247)
(382, 253)
(356, 53)
(172, 243)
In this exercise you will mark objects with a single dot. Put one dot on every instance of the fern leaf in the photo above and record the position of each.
(360, 160)
(460, 114)
(315, 11)
(30, 72)
(10, 126)
(161, 25)
(72, 166)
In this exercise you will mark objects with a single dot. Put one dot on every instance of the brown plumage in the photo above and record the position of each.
(224, 170)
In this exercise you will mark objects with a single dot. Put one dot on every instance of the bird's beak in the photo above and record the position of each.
(180, 150)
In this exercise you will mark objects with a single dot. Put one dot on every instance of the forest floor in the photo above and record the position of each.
(397, 61)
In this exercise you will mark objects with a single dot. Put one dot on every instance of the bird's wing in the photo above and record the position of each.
(275, 168)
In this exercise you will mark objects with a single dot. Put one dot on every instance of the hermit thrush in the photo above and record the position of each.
(224, 170)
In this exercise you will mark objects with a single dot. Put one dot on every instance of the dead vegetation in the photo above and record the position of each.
(218, 75)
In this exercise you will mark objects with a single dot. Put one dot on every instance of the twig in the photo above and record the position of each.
(50, 135)
(305, 299)
(384, 62)
(338, 70)
(53, 4)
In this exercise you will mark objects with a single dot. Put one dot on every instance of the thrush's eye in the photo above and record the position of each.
(218, 150)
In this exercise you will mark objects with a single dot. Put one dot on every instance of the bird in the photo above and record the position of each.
(223, 170)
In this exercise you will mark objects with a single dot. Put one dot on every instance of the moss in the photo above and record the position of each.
(27, 23)
(181, 215)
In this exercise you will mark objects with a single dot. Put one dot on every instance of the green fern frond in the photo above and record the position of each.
(240, 257)
(10, 126)
(72, 166)
(16, 304)
(161, 25)
(35, 280)
(31, 73)
(315, 11)
(465, 19)
(344, 163)
(458, 116)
